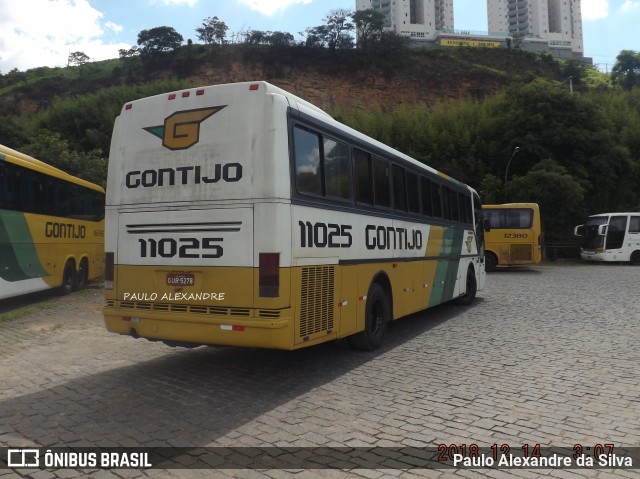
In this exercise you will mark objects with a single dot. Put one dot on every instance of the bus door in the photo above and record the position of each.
(616, 232)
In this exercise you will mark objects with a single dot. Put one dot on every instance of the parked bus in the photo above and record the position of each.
(610, 237)
(51, 227)
(243, 215)
(514, 236)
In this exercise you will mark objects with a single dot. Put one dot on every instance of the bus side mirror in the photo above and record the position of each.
(486, 225)
(602, 230)
(579, 230)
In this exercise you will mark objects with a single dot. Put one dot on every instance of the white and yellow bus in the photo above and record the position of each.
(610, 237)
(513, 236)
(51, 227)
(243, 215)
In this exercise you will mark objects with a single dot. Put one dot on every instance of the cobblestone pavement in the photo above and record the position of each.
(547, 355)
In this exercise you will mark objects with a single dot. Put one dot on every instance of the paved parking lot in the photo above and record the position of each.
(547, 355)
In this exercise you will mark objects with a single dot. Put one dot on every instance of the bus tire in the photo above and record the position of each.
(490, 262)
(68, 278)
(82, 275)
(470, 291)
(635, 258)
(377, 315)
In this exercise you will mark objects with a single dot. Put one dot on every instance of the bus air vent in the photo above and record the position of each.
(316, 302)
(269, 313)
(521, 252)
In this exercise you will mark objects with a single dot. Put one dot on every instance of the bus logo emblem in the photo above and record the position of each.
(181, 130)
(469, 242)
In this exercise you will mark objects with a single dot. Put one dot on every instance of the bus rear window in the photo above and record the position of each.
(509, 218)
(307, 154)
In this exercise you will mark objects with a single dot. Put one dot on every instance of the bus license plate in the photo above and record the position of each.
(180, 279)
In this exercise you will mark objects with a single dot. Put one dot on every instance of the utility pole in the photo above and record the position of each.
(506, 172)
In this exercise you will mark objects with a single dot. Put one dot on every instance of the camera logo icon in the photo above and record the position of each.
(23, 458)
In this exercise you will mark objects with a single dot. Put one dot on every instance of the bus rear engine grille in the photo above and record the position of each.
(182, 308)
(316, 302)
(521, 252)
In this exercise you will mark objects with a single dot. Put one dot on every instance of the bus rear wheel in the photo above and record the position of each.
(82, 275)
(377, 315)
(635, 258)
(470, 291)
(490, 262)
(68, 278)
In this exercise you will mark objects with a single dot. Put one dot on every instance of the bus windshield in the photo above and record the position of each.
(591, 239)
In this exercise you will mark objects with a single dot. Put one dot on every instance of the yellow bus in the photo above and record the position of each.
(243, 215)
(514, 236)
(51, 227)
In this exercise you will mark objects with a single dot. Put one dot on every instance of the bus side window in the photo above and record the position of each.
(413, 195)
(436, 200)
(336, 169)
(615, 232)
(399, 189)
(7, 188)
(634, 224)
(455, 210)
(306, 146)
(28, 190)
(425, 190)
(362, 177)
(446, 207)
(465, 208)
(381, 190)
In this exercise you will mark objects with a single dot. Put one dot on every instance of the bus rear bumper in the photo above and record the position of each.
(273, 333)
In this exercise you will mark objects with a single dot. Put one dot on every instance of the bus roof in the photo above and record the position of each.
(616, 213)
(26, 161)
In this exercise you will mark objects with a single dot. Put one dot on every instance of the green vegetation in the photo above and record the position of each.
(579, 153)
(24, 311)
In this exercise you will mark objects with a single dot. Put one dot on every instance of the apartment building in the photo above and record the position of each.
(558, 23)
(547, 25)
(418, 19)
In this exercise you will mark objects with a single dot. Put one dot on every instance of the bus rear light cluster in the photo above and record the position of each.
(269, 275)
(184, 94)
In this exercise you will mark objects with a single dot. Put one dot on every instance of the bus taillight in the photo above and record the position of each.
(108, 270)
(269, 273)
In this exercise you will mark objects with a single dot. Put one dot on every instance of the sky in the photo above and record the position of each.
(35, 33)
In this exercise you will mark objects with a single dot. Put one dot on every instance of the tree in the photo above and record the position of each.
(213, 30)
(334, 34)
(515, 40)
(391, 43)
(560, 196)
(50, 148)
(77, 58)
(626, 71)
(368, 25)
(158, 39)
(256, 37)
(280, 39)
(338, 28)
